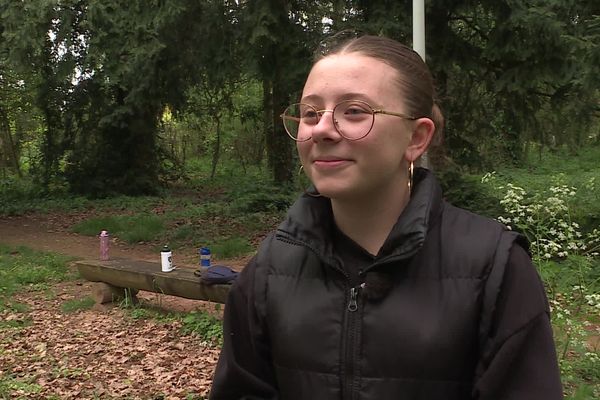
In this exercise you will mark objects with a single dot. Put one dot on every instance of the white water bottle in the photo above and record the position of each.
(166, 261)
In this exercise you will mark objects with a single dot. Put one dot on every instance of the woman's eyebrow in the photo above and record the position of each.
(345, 96)
(309, 98)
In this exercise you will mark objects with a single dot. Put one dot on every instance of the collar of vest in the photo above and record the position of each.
(310, 220)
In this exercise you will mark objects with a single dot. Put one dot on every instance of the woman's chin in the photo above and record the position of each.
(335, 192)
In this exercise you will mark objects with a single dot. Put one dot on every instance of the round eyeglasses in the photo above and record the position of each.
(353, 119)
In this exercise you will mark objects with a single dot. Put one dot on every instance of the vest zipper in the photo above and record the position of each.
(351, 350)
(353, 305)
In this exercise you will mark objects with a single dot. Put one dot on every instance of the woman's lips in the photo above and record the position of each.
(330, 164)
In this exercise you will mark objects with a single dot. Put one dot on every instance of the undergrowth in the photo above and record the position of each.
(199, 323)
(24, 269)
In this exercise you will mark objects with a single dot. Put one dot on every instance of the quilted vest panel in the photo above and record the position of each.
(421, 341)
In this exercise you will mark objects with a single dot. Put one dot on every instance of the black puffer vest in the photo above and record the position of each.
(423, 340)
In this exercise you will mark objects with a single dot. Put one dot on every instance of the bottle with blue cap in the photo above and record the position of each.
(204, 257)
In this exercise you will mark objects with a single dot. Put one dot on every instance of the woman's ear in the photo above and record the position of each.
(422, 134)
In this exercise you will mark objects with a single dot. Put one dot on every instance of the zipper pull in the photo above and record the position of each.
(353, 305)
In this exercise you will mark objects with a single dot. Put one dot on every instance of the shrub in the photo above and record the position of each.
(132, 229)
(231, 247)
(568, 260)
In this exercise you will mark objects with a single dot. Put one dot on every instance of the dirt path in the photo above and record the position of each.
(52, 234)
(99, 353)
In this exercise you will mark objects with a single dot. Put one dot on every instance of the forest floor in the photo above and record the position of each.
(100, 352)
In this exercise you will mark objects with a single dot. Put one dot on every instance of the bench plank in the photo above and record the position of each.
(145, 275)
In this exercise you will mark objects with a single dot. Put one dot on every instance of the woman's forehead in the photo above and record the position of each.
(342, 75)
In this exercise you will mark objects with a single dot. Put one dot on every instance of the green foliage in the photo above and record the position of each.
(546, 220)
(16, 193)
(21, 267)
(133, 229)
(94, 226)
(200, 323)
(583, 392)
(183, 233)
(86, 85)
(70, 306)
(466, 191)
(142, 228)
(231, 247)
(143, 313)
(20, 195)
(18, 323)
(561, 168)
(204, 325)
(515, 77)
(252, 196)
(9, 384)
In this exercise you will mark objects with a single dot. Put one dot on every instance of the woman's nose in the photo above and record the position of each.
(325, 129)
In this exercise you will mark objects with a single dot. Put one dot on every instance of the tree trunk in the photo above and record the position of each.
(217, 148)
(281, 145)
(7, 144)
(268, 122)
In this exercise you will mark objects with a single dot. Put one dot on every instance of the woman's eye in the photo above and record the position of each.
(309, 114)
(355, 111)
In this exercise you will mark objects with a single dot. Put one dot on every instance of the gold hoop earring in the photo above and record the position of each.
(411, 169)
(316, 194)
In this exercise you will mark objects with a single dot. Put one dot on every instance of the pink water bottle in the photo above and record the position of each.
(104, 240)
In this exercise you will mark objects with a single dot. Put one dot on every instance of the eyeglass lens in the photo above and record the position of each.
(352, 119)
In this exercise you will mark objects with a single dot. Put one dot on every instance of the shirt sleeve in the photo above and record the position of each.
(244, 370)
(521, 358)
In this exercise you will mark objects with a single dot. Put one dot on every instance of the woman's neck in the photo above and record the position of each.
(368, 221)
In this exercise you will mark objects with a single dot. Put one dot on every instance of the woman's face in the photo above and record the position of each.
(343, 169)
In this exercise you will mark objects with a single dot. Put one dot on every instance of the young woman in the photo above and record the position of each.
(374, 287)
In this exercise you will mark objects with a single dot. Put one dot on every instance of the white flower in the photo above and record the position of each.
(562, 236)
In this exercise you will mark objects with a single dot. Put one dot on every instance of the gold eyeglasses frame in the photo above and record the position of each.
(320, 113)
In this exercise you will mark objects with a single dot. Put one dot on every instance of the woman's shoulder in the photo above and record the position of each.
(464, 226)
(475, 242)
(461, 217)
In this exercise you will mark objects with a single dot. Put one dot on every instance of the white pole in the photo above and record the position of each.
(419, 47)
(419, 27)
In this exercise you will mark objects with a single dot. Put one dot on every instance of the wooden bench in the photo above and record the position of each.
(120, 278)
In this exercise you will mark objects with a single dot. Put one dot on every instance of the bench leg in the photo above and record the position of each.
(104, 293)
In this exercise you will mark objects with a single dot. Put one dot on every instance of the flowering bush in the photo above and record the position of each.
(545, 219)
(568, 260)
